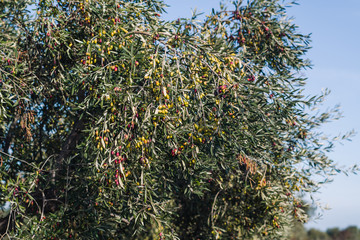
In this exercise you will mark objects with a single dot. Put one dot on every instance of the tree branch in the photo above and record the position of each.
(71, 141)
(10, 135)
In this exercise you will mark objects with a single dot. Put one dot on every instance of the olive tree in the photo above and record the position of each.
(116, 124)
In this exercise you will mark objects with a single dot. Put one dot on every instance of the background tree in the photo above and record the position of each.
(317, 235)
(333, 233)
(116, 124)
(349, 233)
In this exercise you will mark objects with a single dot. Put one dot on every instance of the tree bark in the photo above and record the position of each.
(10, 134)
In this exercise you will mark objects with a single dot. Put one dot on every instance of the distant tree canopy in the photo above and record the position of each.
(116, 124)
(349, 233)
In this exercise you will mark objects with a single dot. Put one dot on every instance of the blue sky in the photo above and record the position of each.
(336, 65)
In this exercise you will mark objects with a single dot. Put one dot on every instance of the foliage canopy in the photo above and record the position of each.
(116, 124)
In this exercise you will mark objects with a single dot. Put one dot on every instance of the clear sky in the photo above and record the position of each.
(335, 55)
